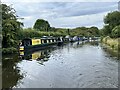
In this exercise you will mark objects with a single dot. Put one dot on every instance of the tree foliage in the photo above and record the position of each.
(10, 26)
(83, 31)
(41, 25)
(116, 31)
(111, 20)
(32, 33)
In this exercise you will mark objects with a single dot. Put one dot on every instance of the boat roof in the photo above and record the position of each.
(44, 37)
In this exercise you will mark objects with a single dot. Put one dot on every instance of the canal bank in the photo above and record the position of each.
(112, 43)
(74, 65)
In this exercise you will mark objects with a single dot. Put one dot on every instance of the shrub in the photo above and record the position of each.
(113, 43)
(116, 32)
(9, 50)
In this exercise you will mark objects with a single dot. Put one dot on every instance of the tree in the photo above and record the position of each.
(106, 30)
(111, 20)
(42, 25)
(116, 32)
(53, 29)
(84, 31)
(10, 26)
(94, 31)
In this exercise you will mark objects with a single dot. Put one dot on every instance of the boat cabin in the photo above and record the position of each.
(36, 41)
(26, 42)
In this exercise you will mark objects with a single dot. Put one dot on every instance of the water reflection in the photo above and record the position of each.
(80, 44)
(41, 56)
(110, 52)
(79, 64)
(10, 72)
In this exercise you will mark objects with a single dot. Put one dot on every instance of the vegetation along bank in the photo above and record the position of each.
(13, 31)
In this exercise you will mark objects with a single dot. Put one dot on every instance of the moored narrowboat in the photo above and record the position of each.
(37, 43)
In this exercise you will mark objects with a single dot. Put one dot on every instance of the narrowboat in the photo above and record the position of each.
(74, 39)
(60, 41)
(28, 44)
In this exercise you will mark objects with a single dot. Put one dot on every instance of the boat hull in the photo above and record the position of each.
(38, 47)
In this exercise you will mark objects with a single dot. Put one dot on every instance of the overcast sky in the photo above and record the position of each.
(67, 14)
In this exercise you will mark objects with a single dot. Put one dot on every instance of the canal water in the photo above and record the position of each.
(74, 65)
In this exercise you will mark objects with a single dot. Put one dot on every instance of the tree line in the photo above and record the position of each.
(112, 25)
(12, 28)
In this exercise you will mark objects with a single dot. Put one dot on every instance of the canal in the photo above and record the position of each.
(74, 65)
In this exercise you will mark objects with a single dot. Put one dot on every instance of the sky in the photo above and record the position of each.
(64, 14)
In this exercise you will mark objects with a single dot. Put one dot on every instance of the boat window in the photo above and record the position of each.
(52, 40)
(27, 42)
(45, 41)
(42, 41)
(59, 39)
(49, 40)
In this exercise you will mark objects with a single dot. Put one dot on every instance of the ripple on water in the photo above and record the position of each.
(84, 66)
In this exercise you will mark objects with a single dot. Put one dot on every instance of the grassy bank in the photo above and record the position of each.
(113, 43)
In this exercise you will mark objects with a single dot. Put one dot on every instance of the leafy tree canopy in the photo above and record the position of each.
(10, 26)
(111, 20)
(116, 31)
(42, 25)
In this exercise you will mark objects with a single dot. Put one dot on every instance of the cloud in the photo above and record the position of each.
(84, 8)
(64, 14)
(59, 1)
(76, 21)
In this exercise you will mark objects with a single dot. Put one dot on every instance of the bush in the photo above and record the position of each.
(10, 50)
(31, 33)
(116, 32)
(113, 43)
